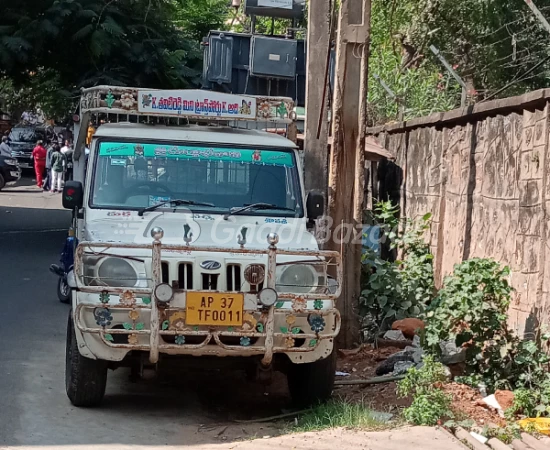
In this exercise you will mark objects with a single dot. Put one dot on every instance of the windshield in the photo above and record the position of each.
(140, 175)
(26, 135)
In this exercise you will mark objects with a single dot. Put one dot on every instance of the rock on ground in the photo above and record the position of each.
(408, 326)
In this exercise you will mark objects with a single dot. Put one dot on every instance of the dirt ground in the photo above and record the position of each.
(362, 365)
(467, 402)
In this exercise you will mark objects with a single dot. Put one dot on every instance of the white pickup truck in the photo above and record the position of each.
(195, 240)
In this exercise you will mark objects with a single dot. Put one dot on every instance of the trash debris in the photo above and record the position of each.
(417, 353)
(450, 354)
(402, 367)
(491, 402)
(408, 326)
(387, 366)
(541, 424)
(394, 335)
(479, 437)
(342, 374)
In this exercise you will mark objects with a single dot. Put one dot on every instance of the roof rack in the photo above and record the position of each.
(193, 105)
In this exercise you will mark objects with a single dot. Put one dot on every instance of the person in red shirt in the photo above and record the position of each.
(39, 155)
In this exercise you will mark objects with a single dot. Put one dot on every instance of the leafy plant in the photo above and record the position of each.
(471, 310)
(505, 434)
(396, 289)
(430, 403)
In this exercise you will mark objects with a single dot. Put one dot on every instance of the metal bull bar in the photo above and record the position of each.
(155, 331)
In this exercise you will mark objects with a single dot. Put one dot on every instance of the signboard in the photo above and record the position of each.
(196, 103)
(118, 150)
(283, 4)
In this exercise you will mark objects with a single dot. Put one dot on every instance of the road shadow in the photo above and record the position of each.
(186, 407)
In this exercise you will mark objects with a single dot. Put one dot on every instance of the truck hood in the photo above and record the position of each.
(202, 230)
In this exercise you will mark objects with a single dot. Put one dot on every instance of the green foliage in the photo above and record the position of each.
(338, 413)
(505, 434)
(132, 42)
(396, 289)
(531, 378)
(489, 42)
(195, 18)
(43, 90)
(430, 403)
(471, 310)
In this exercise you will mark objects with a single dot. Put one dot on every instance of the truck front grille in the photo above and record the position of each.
(185, 276)
(165, 270)
(210, 281)
(233, 273)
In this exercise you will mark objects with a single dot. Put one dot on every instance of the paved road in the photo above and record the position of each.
(195, 411)
(34, 408)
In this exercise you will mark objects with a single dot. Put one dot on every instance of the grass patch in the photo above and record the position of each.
(339, 413)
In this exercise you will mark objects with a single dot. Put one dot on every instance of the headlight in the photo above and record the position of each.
(11, 162)
(116, 272)
(297, 278)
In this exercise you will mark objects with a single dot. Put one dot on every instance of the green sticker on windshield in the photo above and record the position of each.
(116, 150)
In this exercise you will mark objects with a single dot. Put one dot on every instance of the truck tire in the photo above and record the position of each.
(63, 290)
(85, 379)
(312, 383)
(2, 182)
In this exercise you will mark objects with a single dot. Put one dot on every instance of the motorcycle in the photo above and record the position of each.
(66, 265)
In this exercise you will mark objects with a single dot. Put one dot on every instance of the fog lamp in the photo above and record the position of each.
(254, 274)
(268, 297)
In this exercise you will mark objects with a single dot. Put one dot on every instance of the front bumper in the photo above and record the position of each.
(110, 322)
(12, 175)
(24, 161)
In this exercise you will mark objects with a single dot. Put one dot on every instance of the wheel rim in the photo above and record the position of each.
(64, 288)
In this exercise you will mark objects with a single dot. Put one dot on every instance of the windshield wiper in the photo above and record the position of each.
(173, 203)
(253, 206)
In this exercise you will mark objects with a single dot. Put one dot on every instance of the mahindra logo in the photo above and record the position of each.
(210, 265)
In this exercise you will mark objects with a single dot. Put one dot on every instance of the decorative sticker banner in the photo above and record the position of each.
(197, 103)
(184, 152)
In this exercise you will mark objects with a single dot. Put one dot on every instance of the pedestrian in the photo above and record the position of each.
(58, 167)
(68, 151)
(5, 149)
(39, 155)
(49, 175)
(67, 147)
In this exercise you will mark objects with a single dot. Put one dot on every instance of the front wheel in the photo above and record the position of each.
(63, 290)
(312, 383)
(85, 379)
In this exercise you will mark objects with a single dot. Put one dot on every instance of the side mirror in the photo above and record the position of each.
(315, 205)
(73, 195)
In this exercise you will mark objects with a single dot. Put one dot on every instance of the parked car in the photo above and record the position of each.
(9, 171)
(23, 139)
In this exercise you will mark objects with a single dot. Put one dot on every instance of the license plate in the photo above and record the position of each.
(209, 308)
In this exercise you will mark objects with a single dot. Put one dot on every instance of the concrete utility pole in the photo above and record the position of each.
(316, 126)
(347, 174)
